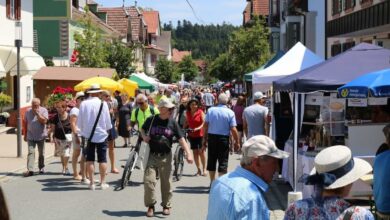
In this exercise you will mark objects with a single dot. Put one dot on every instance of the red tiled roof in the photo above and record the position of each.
(260, 7)
(136, 24)
(71, 73)
(116, 18)
(152, 19)
(177, 55)
(247, 12)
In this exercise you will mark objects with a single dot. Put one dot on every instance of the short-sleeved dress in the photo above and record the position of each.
(124, 119)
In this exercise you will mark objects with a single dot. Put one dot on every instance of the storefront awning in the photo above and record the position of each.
(30, 62)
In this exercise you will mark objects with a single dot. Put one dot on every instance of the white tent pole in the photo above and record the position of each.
(295, 146)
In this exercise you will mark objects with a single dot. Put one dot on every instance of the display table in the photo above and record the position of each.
(306, 163)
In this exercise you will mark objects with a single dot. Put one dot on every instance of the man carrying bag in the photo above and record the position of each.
(94, 110)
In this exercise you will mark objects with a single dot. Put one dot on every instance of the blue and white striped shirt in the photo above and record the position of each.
(237, 195)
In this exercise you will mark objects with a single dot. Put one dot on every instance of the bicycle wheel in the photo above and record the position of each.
(129, 167)
(180, 164)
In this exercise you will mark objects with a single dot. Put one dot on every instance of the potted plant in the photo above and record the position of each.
(4, 101)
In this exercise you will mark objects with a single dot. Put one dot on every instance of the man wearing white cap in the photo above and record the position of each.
(240, 194)
(255, 117)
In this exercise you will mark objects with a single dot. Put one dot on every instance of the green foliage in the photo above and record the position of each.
(90, 45)
(164, 70)
(120, 58)
(201, 40)
(248, 50)
(188, 67)
(4, 100)
(249, 47)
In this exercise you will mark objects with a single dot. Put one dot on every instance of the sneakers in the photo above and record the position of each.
(104, 186)
(85, 181)
(150, 212)
(42, 171)
(92, 187)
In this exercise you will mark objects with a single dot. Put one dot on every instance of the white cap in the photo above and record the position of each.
(79, 94)
(261, 145)
(165, 103)
(258, 95)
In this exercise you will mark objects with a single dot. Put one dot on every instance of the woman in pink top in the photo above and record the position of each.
(238, 110)
(194, 121)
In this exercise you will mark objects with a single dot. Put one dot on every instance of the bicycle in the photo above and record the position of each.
(131, 160)
(178, 158)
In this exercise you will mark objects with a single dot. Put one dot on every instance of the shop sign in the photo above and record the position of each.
(377, 101)
(357, 102)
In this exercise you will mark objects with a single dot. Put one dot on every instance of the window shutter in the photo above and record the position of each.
(8, 6)
(353, 3)
(18, 9)
(340, 6)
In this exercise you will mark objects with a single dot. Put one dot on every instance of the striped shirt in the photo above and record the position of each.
(238, 195)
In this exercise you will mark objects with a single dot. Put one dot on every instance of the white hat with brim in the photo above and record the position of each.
(95, 88)
(79, 94)
(261, 145)
(165, 103)
(334, 157)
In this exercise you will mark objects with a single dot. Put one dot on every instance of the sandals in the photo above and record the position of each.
(116, 171)
(28, 173)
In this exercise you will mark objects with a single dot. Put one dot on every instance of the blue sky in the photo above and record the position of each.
(208, 11)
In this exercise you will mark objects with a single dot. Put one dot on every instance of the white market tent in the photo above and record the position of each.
(152, 81)
(295, 60)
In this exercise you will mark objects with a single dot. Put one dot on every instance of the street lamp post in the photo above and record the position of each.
(18, 44)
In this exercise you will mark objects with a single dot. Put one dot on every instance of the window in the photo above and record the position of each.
(349, 4)
(348, 45)
(336, 49)
(13, 9)
(153, 59)
(336, 6)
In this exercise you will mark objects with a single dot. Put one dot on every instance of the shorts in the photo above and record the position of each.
(239, 128)
(218, 151)
(99, 148)
(112, 135)
(195, 142)
(62, 148)
(75, 145)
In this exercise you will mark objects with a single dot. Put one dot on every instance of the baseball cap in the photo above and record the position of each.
(261, 145)
(258, 95)
(165, 103)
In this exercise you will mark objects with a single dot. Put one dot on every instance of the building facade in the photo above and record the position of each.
(350, 22)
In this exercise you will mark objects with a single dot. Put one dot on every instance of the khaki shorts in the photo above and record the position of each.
(62, 148)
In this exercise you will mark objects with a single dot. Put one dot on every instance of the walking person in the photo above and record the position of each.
(112, 135)
(88, 117)
(333, 174)
(240, 194)
(208, 99)
(76, 141)
(255, 120)
(195, 119)
(124, 113)
(238, 110)
(35, 133)
(219, 123)
(60, 125)
(158, 131)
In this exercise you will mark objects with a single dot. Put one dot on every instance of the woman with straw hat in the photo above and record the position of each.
(332, 176)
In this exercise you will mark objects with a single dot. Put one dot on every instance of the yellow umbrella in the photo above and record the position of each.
(104, 82)
(129, 86)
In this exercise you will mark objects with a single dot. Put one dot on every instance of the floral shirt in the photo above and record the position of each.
(327, 208)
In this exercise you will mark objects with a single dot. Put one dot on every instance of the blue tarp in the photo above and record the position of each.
(337, 71)
(375, 84)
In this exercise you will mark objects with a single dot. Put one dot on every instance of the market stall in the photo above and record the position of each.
(320, 116)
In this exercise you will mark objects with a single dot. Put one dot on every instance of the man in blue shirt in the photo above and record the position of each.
(219, 122)
(382, 184)
(240, 194)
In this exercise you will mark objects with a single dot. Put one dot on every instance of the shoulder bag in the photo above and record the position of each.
(144, 151)
(94, 126)
(68, 137)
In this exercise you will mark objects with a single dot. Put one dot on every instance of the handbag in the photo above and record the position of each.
(68, 137)
(144, 151)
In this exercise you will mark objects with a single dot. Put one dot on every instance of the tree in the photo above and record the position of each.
(90, 45)
(223, 68)
(120, 58)
(188, 68)
(164, 70)
(249, 47)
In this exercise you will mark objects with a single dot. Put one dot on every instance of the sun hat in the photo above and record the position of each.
(95, 88)
(261, 145)
(334, 167)
(106, 92)
(165, 103)
(79, 95)
(258, 95)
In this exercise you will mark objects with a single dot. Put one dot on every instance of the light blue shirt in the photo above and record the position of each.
(237, 195)
(382, 182)
(89, 110)
(220, 119)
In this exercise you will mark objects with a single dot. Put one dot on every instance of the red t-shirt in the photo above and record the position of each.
(195, 121)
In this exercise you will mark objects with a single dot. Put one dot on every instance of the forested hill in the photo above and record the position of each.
(202, 40)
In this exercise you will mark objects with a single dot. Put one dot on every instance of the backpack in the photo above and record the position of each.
(137, 110)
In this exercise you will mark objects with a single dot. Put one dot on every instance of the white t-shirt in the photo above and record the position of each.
(75, 111)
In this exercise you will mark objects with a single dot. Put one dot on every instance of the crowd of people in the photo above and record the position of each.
(216, 126)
